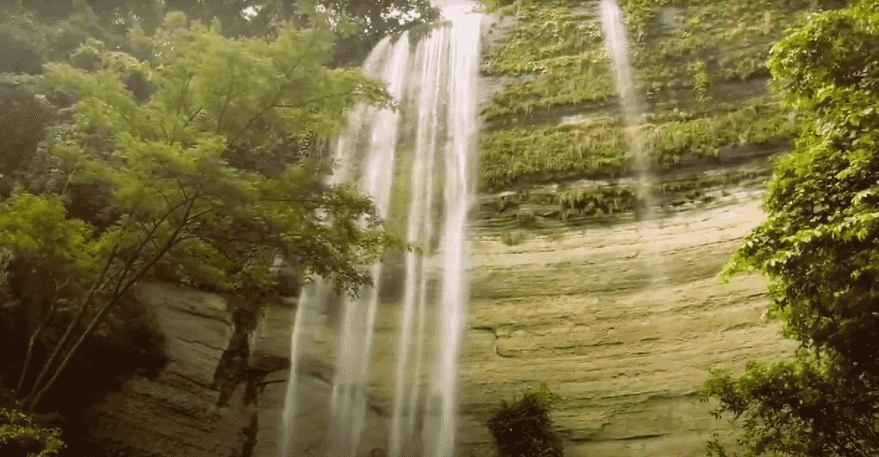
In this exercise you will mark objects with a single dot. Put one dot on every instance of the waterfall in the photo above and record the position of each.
(616, 41)
(615, 38)
(433, 135)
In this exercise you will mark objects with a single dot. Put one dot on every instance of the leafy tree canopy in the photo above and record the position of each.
(18, 436)
(819, 248)
(149, 158)
(158, 156)
(357, 24)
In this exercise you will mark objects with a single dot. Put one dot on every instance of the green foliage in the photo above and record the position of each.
(592, 200)
(546, 30)
(20, 437)
(495, 5)
(804, 407)
(52, 39)
(818, 247)
(512, 237)
(816, 243)
(560, 43)
(154, 171)
(560, 81)
(37, 225)
(602, 146)
(507, 155)
(384, 17)
(164, 161)
(641, 13)
(524, 427)
(701, 80)
(21, 129)
(734, 36)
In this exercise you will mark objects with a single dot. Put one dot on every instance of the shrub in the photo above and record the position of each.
(511, 237)
(20, 438)
(524, 428)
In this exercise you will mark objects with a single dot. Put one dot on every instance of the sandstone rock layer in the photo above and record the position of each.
(623, 321)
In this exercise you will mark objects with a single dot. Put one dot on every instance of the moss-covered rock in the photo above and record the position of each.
(699, 69)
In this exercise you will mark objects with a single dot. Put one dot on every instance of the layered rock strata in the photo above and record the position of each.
(176, 414)
(622, 320)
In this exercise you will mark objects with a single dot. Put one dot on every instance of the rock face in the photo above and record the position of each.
(176, 414)
(623, 320)
(621, 317)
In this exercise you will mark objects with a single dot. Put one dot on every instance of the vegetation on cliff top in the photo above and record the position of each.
(561, 44)
(818, 247)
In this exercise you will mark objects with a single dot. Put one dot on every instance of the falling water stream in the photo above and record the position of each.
(433, 80)
(615, 38)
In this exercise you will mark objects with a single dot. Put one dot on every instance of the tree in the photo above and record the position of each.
(524, 428)
(358, 25)
(167, 195)
(818, 247)
(376, 19)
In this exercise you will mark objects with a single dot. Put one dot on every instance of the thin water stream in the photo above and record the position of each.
(631, 107)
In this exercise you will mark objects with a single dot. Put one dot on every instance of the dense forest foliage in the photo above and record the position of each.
(818, 247)
(171, 140)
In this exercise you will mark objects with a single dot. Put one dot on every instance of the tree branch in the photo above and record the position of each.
(64, 338)
(316, 99)
(183, 92)
(31, 403)
(226, 104)
(43, 324)
(275, 98)
(115, 298)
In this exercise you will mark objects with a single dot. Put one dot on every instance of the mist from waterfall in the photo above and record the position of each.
(423, 150)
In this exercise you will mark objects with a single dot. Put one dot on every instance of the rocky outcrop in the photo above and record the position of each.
(176, 414)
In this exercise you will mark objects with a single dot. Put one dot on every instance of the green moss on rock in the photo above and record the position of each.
(601, 147)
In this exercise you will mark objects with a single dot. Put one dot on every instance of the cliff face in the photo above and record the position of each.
(176, 414)
(623, 320)
(622, 317)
